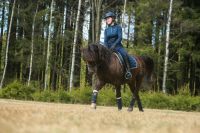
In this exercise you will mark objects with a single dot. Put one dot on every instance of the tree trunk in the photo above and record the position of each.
(11, 64)
(88, 77)
(78, 67)
(167, 48)
(46, 80)
(123, 18)
(159, 57)
(54, 76)
(191, 75)
(18, 37)
(74, 46)
(2, 27)
(67, 48)
(32, 46)
(98, 4)
(96, 19)
(62, 32)
(8, 41)
(136, 30)
(93, 22)
(128, 33)
(124, 11)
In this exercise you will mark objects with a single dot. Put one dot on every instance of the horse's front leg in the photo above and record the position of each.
(94, 99)
(118, 98)
(98, 85)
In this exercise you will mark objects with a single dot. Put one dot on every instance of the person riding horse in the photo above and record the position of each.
(113, 38)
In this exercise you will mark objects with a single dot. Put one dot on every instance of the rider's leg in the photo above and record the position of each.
(128, 74)
(125, 55)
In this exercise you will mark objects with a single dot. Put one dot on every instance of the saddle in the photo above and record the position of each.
(125, 65)
(120, 58)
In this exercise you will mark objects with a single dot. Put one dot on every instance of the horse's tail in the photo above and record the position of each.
(149, 67)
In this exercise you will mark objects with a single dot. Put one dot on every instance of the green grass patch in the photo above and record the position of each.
(106, 97)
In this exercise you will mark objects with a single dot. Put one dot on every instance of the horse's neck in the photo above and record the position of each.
(112, 66)
(103, 67)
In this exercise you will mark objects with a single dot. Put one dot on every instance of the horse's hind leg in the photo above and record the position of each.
(135, 97)
(136, 94)
(132, 88)
(118, 97)
(130, 108)
(139, 102)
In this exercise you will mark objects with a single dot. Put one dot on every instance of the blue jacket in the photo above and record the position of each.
(113, 36)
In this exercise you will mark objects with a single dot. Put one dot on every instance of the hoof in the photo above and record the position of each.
(93, 106)
(119, 109)
(142, 110)
(130, 109)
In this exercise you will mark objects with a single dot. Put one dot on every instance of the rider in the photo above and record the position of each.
(113, 38)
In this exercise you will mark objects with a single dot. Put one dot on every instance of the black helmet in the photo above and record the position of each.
(109, 14)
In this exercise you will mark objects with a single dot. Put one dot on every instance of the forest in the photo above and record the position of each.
(41, 40)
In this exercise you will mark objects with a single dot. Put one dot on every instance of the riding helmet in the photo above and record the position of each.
(109, 14)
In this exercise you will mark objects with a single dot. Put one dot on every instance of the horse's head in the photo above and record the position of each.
(94, 55)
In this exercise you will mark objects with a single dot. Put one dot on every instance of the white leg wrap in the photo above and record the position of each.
(118, 97)
(95, 91)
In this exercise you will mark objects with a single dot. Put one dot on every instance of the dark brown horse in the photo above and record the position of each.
(107, 69)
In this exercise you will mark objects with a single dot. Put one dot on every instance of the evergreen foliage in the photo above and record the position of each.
(182, 101)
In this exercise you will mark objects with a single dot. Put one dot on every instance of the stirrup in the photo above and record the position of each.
(128, 75)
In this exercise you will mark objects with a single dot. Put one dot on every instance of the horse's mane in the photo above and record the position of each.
(101, 51)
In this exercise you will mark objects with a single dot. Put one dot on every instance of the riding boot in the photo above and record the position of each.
(128, 74)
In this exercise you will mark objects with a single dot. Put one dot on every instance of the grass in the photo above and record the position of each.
(106, 97)
(40, 117)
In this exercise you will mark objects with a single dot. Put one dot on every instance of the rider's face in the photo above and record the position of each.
(109, 20)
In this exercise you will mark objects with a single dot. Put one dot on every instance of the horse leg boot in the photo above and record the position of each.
(128, 74)
(119, 103)
(94, 99)
(118, 98)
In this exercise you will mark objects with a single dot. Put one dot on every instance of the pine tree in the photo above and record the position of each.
(46, 80)
(167, 47)
(32, 46)
(74, 46)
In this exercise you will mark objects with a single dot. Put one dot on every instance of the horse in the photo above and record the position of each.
(106, 67)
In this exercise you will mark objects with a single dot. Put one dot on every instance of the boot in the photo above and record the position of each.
(128, 73)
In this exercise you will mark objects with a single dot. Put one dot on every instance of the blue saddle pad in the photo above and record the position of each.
(132, 60)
